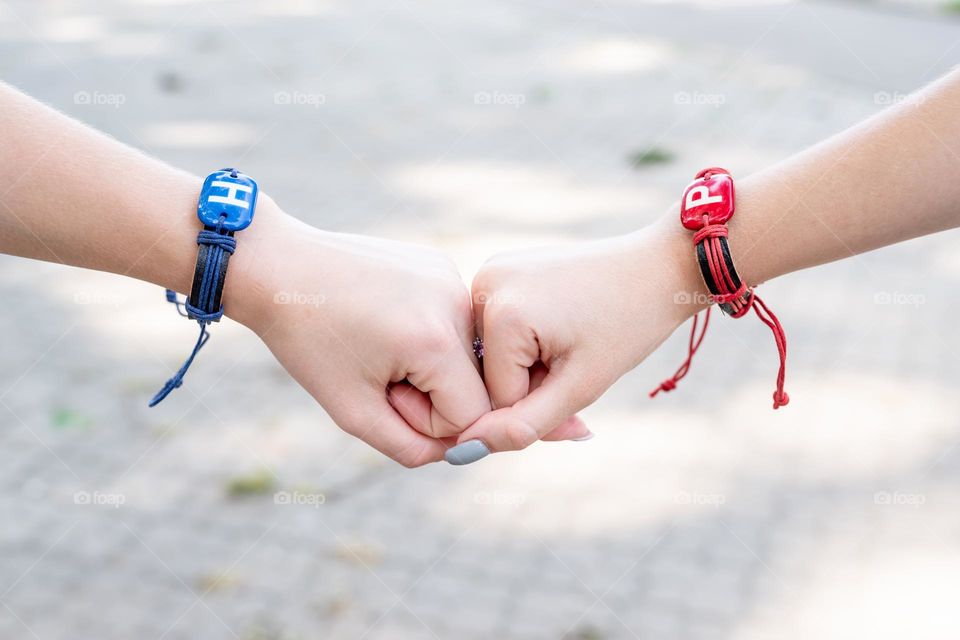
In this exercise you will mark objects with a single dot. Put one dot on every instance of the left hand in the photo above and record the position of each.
(561, 325)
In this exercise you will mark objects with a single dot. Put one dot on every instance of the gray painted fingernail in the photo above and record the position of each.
(589, 436)
(467, 452)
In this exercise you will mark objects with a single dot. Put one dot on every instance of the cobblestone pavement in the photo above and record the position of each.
(238, 510)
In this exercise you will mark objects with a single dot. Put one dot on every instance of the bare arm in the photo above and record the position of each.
(593, 311)
(368, 313)
(73, 195)
(886, 180)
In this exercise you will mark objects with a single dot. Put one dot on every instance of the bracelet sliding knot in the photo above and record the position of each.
(710, 231)
(217, 239)
(727, 298)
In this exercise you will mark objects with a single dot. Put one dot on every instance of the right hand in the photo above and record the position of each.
(352, 317)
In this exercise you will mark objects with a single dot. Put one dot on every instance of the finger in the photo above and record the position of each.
(458, 396)
(414, 406)
(573, 428)
(510, 348)
(374, 421)
(519, 426)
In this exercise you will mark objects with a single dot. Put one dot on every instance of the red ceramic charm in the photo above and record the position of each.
(710, 196)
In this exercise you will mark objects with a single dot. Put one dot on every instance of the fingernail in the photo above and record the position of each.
(589, 436)
(466, 452)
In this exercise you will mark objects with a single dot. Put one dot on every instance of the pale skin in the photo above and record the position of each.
(388, 352)
(593, 311)
(393, 315)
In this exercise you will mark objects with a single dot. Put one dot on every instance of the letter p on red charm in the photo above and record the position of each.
(707, 200)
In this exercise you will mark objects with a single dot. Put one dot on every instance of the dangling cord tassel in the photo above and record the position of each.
(671, 383)
(219, 246)
(177, 379)
(780, 397)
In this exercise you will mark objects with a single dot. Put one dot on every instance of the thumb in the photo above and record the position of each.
(573, 428)
(517, 427)
(415, 407)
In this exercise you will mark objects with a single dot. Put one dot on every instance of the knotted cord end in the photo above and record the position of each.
(667, 385)
(780, 399)
(172, 383)
(177, 380)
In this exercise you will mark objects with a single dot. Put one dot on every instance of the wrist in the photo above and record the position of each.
(684, 291)
(169, 260)
(757, 258)
(653, 272)
(251, 283)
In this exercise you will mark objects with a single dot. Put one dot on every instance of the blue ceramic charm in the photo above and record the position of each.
(227, 198)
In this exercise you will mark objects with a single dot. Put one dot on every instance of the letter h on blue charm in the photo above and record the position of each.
(228, 199)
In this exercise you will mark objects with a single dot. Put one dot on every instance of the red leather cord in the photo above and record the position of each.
(671, 383)
(741, 299)
(780, 397)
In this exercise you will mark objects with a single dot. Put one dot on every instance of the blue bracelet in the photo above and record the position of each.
(227, 202)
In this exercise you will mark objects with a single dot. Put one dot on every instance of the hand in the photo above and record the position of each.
(351, 316)
(575, 319)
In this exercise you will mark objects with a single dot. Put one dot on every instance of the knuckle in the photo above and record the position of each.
(494, 273)
(481, 289)
(520, 435)
(416, 455)
(407, 463)
(480, 296)
(349, 426)
(502, 315)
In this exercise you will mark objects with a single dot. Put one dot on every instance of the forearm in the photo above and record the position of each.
(73, 195)
(886, 180)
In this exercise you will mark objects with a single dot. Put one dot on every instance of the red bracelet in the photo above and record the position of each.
(707, 206)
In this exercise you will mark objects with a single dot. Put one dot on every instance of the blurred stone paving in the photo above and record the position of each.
(238, 510)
